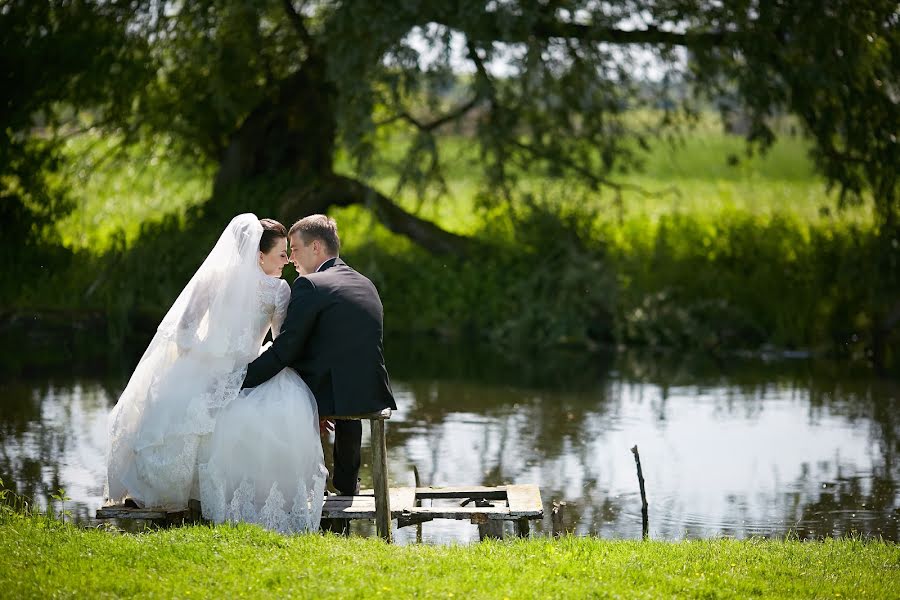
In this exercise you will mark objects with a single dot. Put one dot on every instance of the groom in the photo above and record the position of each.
(332, 337)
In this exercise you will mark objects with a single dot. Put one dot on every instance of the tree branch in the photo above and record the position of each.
(431, 126)
(339, 190)
(595, 180)
(514, 29)
(297, 21)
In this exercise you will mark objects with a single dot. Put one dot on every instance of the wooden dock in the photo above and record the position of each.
(487, 507)
(479, 505)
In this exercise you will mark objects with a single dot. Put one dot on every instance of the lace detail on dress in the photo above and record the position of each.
(305, 510)
(162, 422)
(265, 459)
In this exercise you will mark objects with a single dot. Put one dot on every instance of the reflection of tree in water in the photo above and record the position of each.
(852, 506)
(31, 449)
(537, 416)
(47, 428)
(487, 419)
(844, 504)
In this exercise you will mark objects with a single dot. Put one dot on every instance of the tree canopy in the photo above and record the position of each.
(277, 88)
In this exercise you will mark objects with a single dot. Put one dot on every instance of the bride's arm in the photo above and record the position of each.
(187, 333)
(301, 314)
(281, 304)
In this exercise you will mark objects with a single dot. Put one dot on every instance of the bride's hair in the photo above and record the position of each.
(272, 232)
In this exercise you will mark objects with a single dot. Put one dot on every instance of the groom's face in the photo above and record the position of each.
(304, 256)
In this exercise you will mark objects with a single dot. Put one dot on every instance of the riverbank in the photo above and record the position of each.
(737, 258)
(40, 557)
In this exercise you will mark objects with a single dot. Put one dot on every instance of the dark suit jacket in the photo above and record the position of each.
(332, 337)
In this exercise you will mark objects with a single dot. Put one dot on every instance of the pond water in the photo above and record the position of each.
(736, 448)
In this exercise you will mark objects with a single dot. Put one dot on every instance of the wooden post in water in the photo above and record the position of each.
(417, 503)
(557, 520)
(490, 529)
(645, 521)
(380, 480)
(523, 529)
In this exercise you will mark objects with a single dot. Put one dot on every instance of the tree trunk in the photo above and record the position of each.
(289, 140)
(291, 133)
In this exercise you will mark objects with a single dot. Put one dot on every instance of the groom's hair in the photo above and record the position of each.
(318, 227)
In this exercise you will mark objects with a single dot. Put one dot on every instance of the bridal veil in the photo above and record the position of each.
(193, 367)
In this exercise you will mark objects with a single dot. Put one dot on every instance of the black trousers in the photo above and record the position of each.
(347, 442)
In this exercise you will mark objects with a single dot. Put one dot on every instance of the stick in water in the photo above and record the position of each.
(645, 522)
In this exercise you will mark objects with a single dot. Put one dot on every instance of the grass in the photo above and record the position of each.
(41, 558)
(732, 251)
(692, 178)
(117, 193)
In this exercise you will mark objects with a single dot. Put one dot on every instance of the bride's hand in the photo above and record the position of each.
(326, 425)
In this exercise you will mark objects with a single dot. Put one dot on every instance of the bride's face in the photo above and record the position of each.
(273, 261)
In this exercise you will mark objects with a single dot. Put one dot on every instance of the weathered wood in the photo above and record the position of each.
(400, 522)
(524, 500)
(485, 506)
(557, 519)
(479, 514)
(349, 507)
(645, 524)
(381, 415)
(149, 514)
(472, 491)
(159, 515)
(402, 500)
(490, 530)
(523, 528)
(410, 518)
(380, 480)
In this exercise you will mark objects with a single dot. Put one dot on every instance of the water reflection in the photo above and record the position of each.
(737, 449)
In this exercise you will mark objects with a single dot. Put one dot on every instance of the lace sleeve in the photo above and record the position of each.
(283, 298)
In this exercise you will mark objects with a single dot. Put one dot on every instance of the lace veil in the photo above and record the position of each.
(194, 366)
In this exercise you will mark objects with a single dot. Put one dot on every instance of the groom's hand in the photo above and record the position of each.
(326, 425)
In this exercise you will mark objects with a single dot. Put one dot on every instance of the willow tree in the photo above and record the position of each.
(272, 90)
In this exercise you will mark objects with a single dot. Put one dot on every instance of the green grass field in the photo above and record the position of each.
(41, 558)
(726, 252)
(693, 178)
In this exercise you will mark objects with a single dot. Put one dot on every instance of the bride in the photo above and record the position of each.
(183, 428)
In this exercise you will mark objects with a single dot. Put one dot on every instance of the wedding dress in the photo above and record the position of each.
(165, 444)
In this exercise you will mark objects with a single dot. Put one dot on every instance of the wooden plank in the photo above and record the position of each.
(380, 481)
(523, 528)
(471, 491)
(402, 499)
(490, 530)
(462, 512)
(381, 415)
(355, 508)
(150, 514)
(524, 501)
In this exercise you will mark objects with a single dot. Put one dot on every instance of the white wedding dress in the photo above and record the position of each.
(184, 429)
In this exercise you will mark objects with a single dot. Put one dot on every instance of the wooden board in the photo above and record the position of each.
(471, 491)
(524, 501)
(381, 415)
(402, 499)
(349, 507)
(462, 512)
(149, 514)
